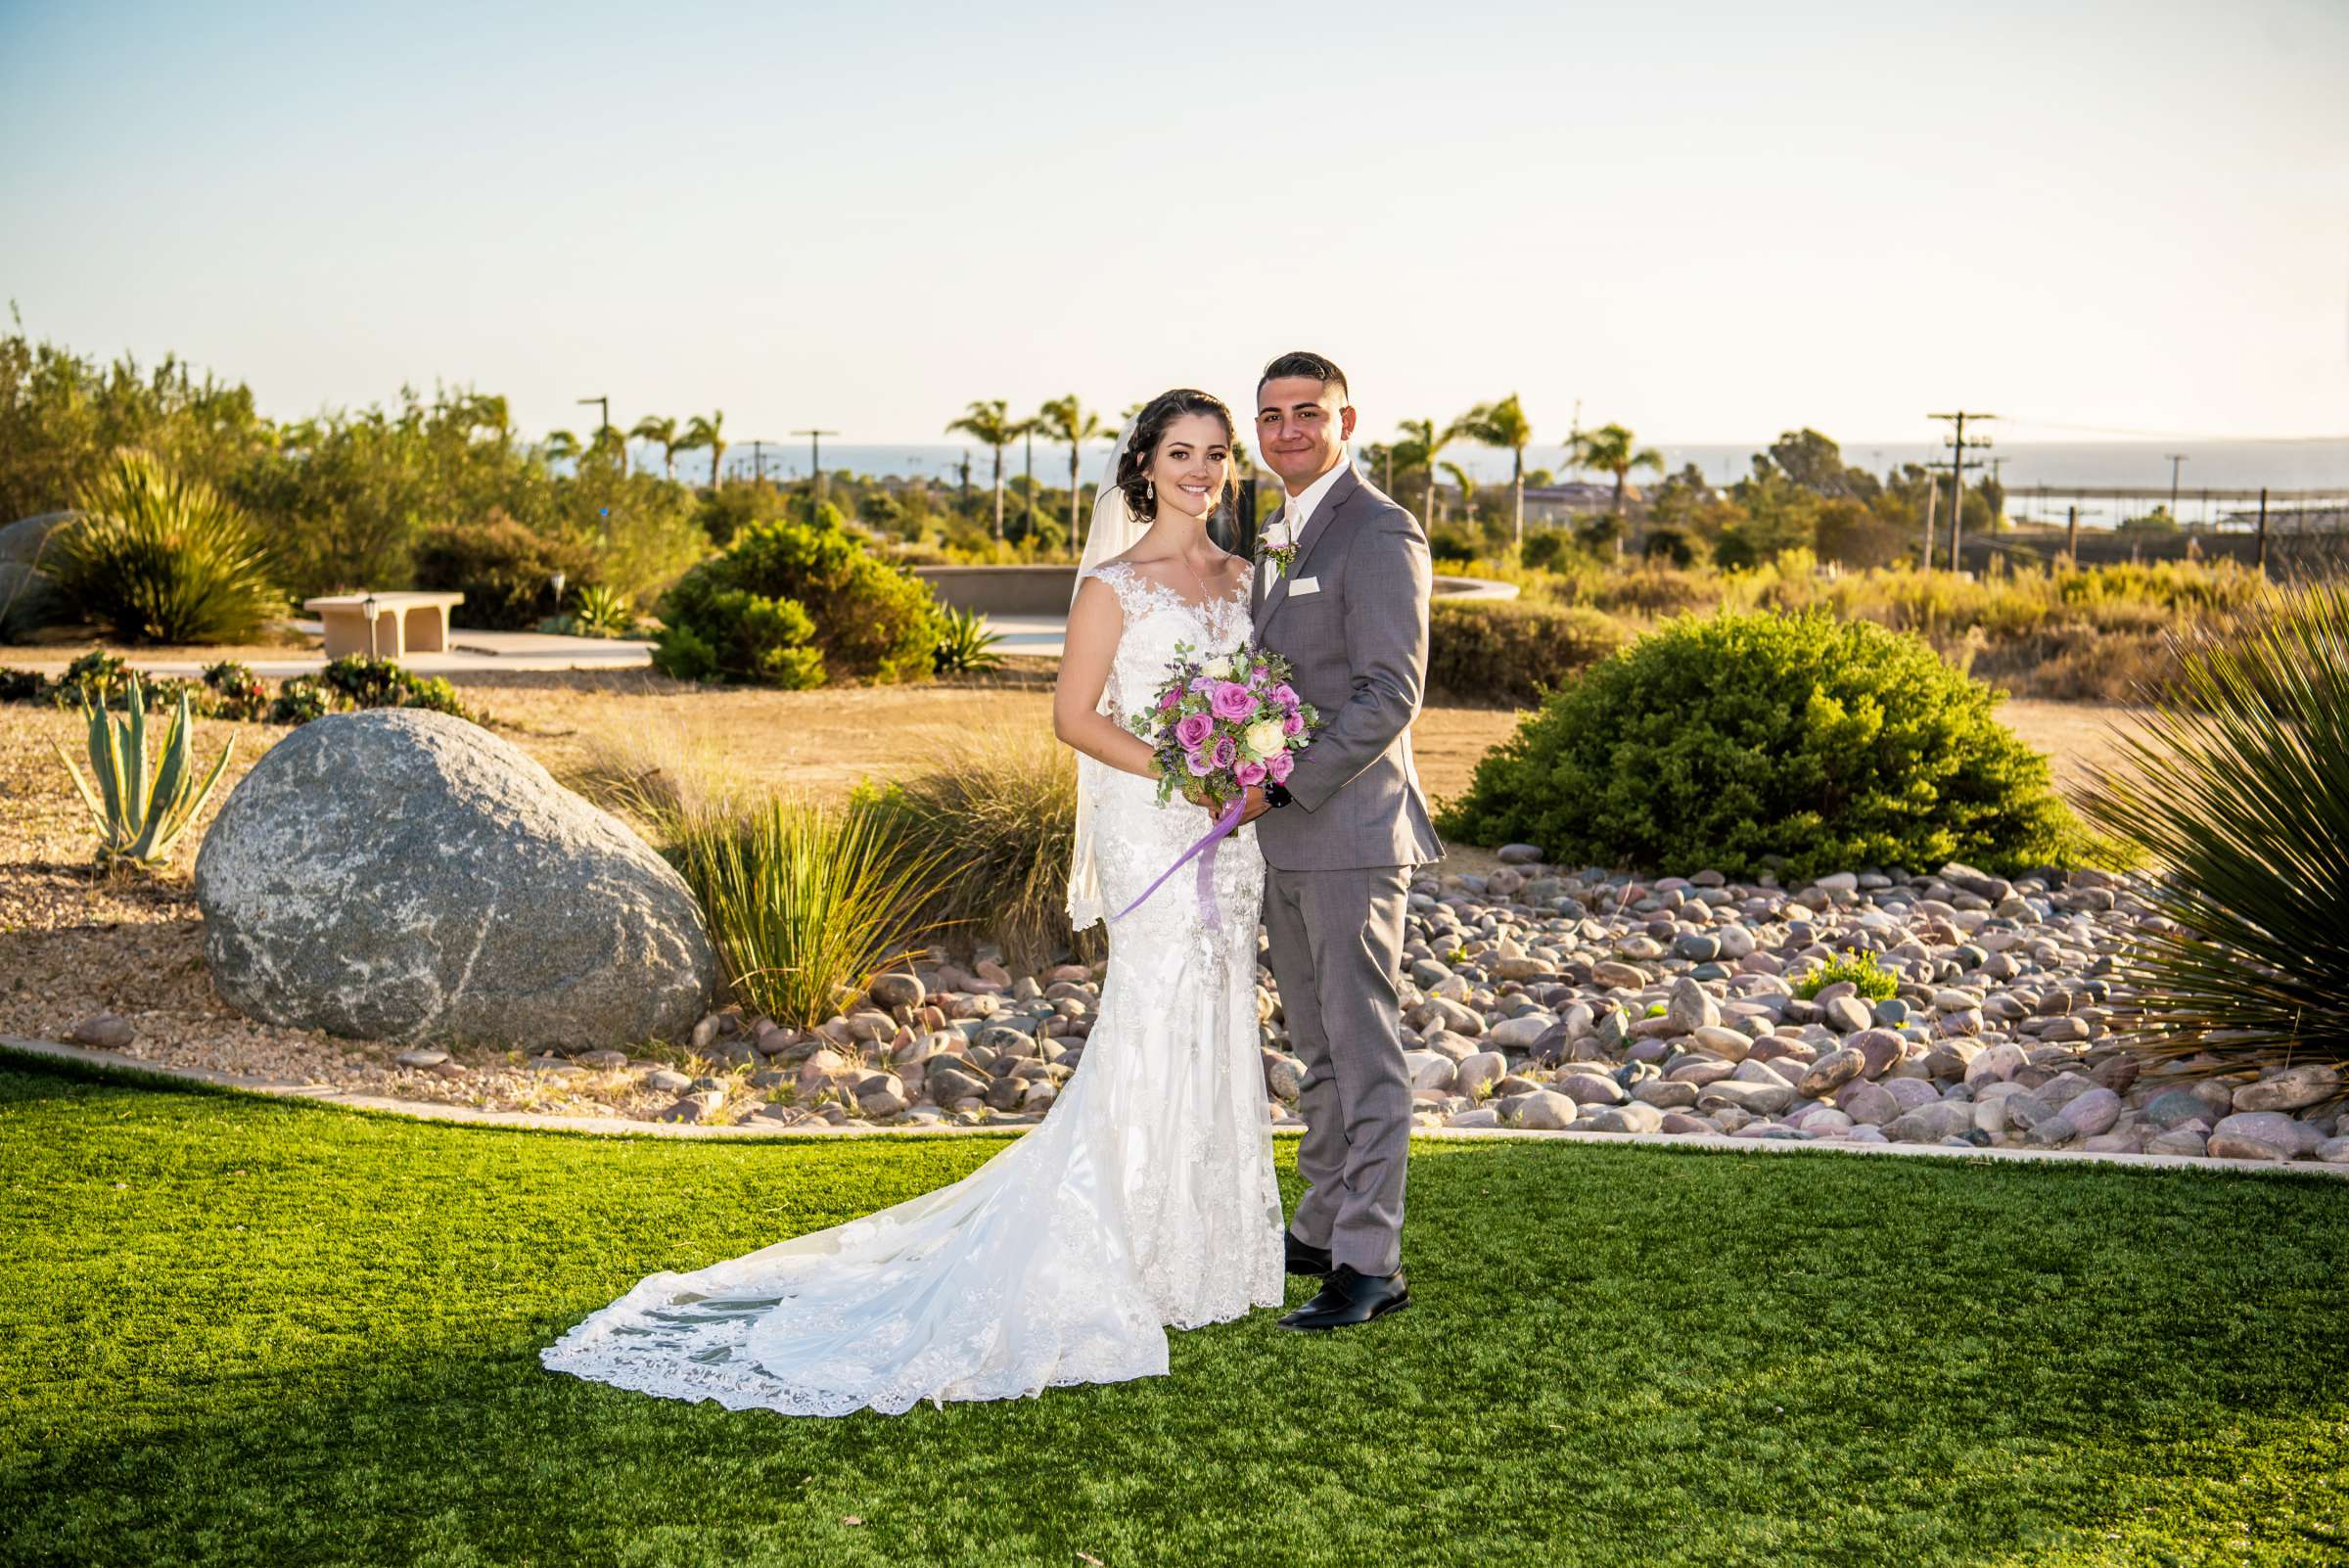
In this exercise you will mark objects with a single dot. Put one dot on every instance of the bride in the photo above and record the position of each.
(1145, 1199)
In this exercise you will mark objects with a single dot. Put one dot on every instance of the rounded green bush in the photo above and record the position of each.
(1747, 743)
(794, 604)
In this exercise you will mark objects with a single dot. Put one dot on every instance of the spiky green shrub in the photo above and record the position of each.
(160, 558)
(784, 590)
(142, 816)
(1758, 742)
(1869, 978)
(1004, 814)
(1509, 653)
(806, 902)
(965, 645)
(2236, 791)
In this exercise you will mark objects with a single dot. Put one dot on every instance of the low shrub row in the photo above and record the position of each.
(232, 691)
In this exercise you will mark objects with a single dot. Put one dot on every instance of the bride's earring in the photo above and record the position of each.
(1149, 490)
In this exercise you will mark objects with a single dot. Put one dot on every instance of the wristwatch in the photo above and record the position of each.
(1278, 795)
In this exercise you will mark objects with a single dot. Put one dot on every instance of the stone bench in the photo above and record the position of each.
(401, 624)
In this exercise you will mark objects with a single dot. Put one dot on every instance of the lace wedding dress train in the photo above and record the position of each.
(1145, 1198)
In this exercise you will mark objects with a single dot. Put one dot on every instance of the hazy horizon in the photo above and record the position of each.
(2104, 223)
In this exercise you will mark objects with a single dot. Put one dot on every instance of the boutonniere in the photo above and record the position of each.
(1282, 556)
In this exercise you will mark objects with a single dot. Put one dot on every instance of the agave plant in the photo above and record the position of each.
(140, 820)
(602, 612)
(805, 900)
(965, 644)
(2238, 792)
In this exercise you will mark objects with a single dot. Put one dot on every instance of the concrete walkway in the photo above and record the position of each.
(467, 1115)
(467, 651)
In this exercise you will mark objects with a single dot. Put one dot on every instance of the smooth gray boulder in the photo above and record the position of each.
(405, 875)
(28, 596)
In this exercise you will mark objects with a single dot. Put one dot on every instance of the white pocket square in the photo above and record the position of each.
(1298, 585)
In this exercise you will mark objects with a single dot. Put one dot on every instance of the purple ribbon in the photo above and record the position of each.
(1207, 868)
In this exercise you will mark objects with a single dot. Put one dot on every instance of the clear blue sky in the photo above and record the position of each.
(1710, 221)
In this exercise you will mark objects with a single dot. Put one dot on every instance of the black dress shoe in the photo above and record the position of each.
(1351, 1297)
(1303, 1257)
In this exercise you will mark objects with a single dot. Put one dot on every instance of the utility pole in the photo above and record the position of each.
(815, 467)
(2175, 458)
(2262, 557)
(1574, 443)
(2071, 534)
(603, 420)
(1959, 445)
(759, 460)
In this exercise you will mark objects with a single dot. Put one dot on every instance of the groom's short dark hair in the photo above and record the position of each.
(1303, 363)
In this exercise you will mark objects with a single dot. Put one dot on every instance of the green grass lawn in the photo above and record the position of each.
(241, 1331)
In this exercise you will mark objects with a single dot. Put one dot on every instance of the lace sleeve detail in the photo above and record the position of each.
(1124, 584)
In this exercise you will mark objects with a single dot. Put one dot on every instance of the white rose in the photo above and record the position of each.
(1221, 667)
(1262, 739)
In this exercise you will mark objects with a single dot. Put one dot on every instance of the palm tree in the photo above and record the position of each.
(607, 443)
(488, 411)
(1065, 419)
(664, 432)
(1025, 431)
(562, 446)
(1613, 449)
(1501, 424)
(1460, 477)
(991, 424)
(710, 431)
(1428, 440)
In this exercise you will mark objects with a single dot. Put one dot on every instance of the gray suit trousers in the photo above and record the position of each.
(1337, 946)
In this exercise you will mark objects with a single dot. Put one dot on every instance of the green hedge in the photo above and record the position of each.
(505, 570)
(1508, 652)
(797, 604)
(1753, 741)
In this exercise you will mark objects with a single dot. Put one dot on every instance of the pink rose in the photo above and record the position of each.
(1250, 773)
(1199, 765)
(1173, 699)
(1230, 700)
(1193, 730)
(1285, 695)
(1226, 750)
(1278, 765)
(1293, 723)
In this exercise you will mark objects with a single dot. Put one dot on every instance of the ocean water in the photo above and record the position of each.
(2062, 468)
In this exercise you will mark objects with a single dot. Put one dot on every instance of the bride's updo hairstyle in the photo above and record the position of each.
(1150, 428)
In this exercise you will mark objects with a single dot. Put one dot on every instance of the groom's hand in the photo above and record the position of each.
(1253, 803)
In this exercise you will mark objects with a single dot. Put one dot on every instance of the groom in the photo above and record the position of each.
(1347, 609)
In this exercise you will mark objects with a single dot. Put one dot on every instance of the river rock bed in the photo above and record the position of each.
(1535, 997)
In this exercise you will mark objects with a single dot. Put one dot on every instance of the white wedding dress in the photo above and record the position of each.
(1144, 1200)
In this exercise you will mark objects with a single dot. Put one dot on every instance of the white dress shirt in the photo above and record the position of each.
(1296, 511)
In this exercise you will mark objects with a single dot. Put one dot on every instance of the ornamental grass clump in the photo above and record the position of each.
(160, 558)
(806, 902)
(2236, 791)
(141, 818)
(1004, 814)
(1763, 742)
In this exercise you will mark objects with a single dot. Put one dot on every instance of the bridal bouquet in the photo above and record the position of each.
(1218, 724)
(1225, 722)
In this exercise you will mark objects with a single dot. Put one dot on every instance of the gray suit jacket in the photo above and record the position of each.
(1358, 646)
